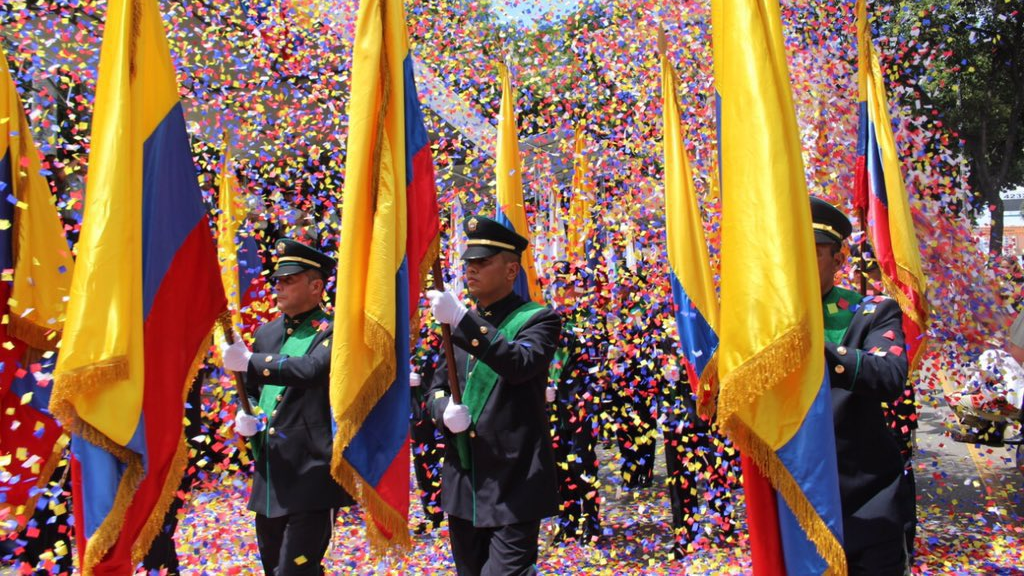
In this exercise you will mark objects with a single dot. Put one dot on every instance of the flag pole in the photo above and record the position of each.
(446, 337)
(229, 337)
(862, 266)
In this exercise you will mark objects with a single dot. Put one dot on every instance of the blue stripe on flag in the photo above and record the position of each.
(415, 131)
(249, 264)
(171, 200)
(810, 457)
(862, 128)
(696, 338)
(374, 447)
(867, 146)
(101, 474)
(522, 284)
(6, 213)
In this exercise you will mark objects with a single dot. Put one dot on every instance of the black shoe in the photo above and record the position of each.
(974, 430)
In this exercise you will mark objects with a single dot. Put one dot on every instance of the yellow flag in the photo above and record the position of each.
(42, 260)
(693, 284)
(231, 214)
(581, 203)
(771, 364)
(511, 208)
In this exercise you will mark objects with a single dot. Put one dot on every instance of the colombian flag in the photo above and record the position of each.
(231, 215)
(511, 209)
(880, 194)
(582, 202)
(35, 280)
(389, 239)
(693, 285)
(144, 298)
(774, 399)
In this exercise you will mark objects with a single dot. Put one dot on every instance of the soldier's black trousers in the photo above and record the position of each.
(502, 551)
(294, 545)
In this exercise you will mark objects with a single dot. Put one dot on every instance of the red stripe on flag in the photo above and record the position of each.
(762, 521)
(189, 301)
(423, 222)
(393, 487)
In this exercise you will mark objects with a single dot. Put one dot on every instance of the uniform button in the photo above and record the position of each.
(290, 330)
(274, 413)
(475, 343)
(266, 371)
(840, 369)
(271, 431)
(280, 397)
(472, 433)
(841, 350)
(269, 358)
(483, 329)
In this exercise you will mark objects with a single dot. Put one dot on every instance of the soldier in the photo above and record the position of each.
(498, 477)
(574, 393)
(867, 365)
(293, 494)
(426, 453)
(634, 386)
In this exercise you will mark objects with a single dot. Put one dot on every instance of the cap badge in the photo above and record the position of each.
(280, 247)
(472, 224)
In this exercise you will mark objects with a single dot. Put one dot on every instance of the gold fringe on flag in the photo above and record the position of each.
(179, 462)
(30, 333)
(85, 381)
(749, 380)
(707, 389)
(783, 483)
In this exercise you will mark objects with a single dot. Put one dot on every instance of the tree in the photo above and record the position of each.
(965, 59)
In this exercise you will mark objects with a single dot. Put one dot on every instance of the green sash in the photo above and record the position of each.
(297, 344)
(837, 320)
(481, 379)
(561, 356)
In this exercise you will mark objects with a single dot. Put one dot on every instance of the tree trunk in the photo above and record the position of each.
(995, 239)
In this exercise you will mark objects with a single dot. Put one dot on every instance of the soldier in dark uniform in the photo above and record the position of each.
(634, 387)
(574, 392)
(498, 477)
(867, 365)
(900, 413)
(287, 374)
(423, 435)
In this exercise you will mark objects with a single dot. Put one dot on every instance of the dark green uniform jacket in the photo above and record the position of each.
(293, 468)
(512, 478)
(867, 365)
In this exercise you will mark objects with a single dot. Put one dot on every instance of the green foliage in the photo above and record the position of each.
(965, 59)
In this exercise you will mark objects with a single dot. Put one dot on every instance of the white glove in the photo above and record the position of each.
(549, 393)
(245, 425)
(414, 380)
(446, 307)
(456, 417)
(236, 355)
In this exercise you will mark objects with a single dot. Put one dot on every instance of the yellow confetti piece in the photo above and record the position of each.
(300, 560)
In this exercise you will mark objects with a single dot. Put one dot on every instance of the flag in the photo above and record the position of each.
(35, 280)
(552, 242)
(456, 242)
(144, 298)
(879, 193)
(774, 399)
(581, 202)
(693, 284)
(389, 238)
(510, 208)
(232, 213)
